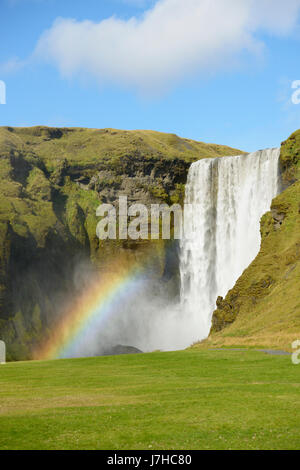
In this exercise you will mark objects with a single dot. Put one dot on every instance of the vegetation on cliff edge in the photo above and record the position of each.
(263, 308)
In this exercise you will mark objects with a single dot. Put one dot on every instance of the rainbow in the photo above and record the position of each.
(89, 311)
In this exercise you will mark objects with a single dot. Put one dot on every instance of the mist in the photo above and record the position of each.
(231, 195)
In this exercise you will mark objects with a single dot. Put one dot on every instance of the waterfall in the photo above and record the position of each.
(225, 199)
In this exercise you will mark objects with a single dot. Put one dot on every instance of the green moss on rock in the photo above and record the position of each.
(263, 307)
(38, 186)
(290, 159)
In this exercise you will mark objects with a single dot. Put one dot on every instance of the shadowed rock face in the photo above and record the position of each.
(141, 181)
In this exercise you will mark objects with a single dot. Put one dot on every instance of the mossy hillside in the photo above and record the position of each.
(42, 232)
(51, 182)
(38, 187)
(88, 146)
(82, 153)
(290, 159)
(39, 165)
(25, 201)
(263, 308)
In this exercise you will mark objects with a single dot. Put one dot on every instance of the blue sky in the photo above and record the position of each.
(221, 75)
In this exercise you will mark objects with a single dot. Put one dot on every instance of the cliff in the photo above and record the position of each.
(263, 307)
(51, 182)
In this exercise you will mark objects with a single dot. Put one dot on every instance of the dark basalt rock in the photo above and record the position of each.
(120, 349)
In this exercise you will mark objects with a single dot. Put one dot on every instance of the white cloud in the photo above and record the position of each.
(173, 39)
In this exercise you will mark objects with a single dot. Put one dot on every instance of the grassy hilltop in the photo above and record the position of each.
(180, 400)
(89, 146)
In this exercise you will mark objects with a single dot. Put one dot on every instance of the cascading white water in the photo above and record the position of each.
(227, 198)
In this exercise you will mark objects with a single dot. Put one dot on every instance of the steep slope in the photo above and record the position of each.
(263, 308)
(51, 182)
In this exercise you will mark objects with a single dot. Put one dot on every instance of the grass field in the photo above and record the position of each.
(181, 400)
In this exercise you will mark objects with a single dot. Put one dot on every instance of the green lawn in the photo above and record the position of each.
(182, 400)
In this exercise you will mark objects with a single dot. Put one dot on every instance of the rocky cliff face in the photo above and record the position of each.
(263, 307)
(51, 183)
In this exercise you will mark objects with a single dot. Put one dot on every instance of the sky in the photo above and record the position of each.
(219, 71)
